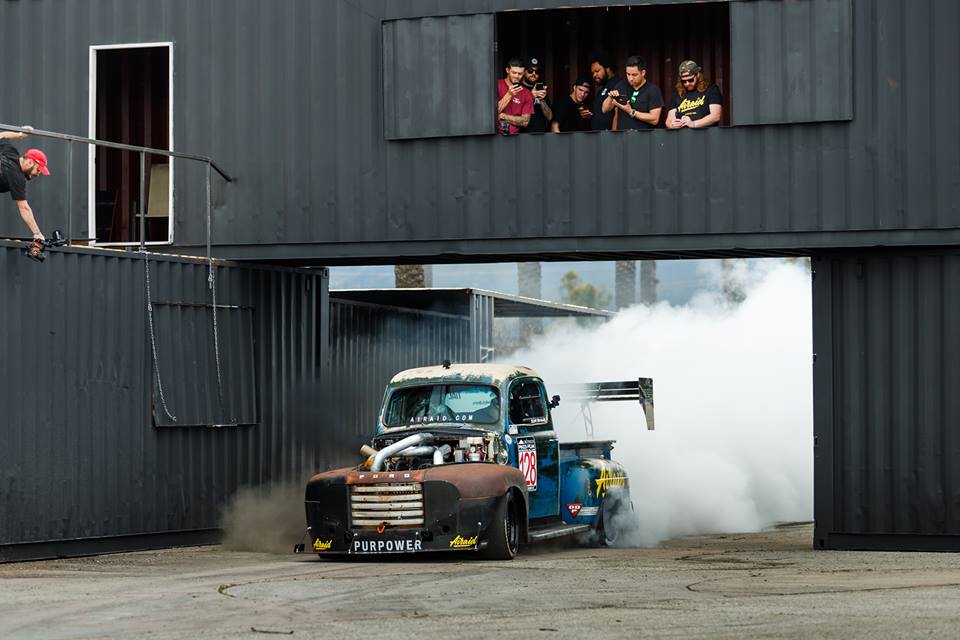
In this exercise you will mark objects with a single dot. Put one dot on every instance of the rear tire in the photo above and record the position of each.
(605, 533)
(503, 536)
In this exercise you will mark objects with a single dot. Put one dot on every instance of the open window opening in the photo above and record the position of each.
(564, 40)
(131, 95)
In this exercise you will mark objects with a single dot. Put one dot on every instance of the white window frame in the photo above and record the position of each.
(92, 150)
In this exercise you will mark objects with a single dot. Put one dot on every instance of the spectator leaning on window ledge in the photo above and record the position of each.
(542, 113)
(695, 103)
(639, 102)
(515, 103)
(571, 109)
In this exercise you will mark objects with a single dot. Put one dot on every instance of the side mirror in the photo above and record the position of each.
(554, 402)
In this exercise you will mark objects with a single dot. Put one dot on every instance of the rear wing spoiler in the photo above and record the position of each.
(585, 393)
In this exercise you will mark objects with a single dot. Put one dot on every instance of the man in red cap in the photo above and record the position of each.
(15, 170)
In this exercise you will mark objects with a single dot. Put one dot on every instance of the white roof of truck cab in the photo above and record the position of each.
(493, 374)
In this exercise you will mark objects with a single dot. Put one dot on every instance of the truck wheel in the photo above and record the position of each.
(503, 538)
(606, 533)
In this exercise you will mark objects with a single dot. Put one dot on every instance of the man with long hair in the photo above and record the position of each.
(695, 103)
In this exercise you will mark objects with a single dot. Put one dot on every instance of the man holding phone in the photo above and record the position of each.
(572, 109)
(542, 113)
(604, 72)
(639, 102)
(515, 102)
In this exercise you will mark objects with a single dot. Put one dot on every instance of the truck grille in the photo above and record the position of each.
(397, 505)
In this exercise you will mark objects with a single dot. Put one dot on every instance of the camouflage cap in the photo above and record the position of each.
(689, 68)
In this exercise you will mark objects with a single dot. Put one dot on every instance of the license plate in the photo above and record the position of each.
(382, 544)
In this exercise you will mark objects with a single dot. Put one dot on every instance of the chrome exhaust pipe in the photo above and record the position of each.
(396, 447)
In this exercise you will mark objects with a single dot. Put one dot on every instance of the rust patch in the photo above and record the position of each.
(478, 479)
(334, 474)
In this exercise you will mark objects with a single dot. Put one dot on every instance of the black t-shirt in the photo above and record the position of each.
(646, 98)
(538, 121)
(11, 178)
(696, 104)
(601, 120)
(566, 113)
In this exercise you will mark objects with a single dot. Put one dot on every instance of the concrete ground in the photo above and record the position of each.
(762, 585)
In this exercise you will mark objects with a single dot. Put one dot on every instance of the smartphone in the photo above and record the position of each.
(516, 84)
(538, 86)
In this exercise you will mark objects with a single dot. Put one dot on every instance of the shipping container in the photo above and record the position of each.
(126, 427)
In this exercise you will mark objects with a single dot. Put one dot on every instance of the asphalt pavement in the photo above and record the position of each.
(759, 585)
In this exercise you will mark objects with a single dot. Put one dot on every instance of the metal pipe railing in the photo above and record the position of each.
(118, 145)
(56, 135)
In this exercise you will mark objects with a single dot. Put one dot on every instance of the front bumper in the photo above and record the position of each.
(450, 523)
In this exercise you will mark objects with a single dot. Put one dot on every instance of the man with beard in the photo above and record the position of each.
(639, 102)
(542, 113)
(604, 79)
(15, 170)
(571, 110)
(696, 103)
(515, 103)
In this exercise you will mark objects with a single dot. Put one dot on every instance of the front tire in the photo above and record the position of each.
(503, 537)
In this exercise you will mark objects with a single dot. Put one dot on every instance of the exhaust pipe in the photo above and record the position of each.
(396, 447)
(414, 452)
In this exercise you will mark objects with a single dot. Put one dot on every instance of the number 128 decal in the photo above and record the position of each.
(527, 461)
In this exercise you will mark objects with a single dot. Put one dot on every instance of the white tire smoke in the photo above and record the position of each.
(733, 449)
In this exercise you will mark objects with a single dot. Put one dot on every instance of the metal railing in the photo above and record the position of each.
(211, 268)
(143, 151)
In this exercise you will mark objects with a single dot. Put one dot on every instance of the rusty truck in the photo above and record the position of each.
(465, 457)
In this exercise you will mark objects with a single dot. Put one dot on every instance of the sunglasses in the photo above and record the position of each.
(688, 80)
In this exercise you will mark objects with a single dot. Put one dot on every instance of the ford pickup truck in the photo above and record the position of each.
(466, 458)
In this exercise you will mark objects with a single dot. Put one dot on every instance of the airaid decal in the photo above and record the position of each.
(462, 543)
(322, 545)
(606, 480)
(689, 104)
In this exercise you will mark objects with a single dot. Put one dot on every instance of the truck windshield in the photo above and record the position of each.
(438, 403)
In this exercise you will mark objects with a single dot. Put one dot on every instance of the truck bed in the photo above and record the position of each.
(587, 449)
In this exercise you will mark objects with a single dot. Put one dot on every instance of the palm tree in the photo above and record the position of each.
(648, 282)
(625, 283)
(529, 281)
(412, 276)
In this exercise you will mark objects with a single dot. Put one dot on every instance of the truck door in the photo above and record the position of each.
(536, 451)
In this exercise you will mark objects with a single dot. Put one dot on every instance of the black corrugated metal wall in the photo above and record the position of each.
(289, 98)
(80, 458)
(369, 343)
(886, 410)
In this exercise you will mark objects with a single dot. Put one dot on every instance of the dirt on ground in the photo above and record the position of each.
(759, 585)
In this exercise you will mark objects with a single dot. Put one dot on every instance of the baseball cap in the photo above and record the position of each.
(689, 67)
(533, 63)
(583, 81)
(40, 158)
